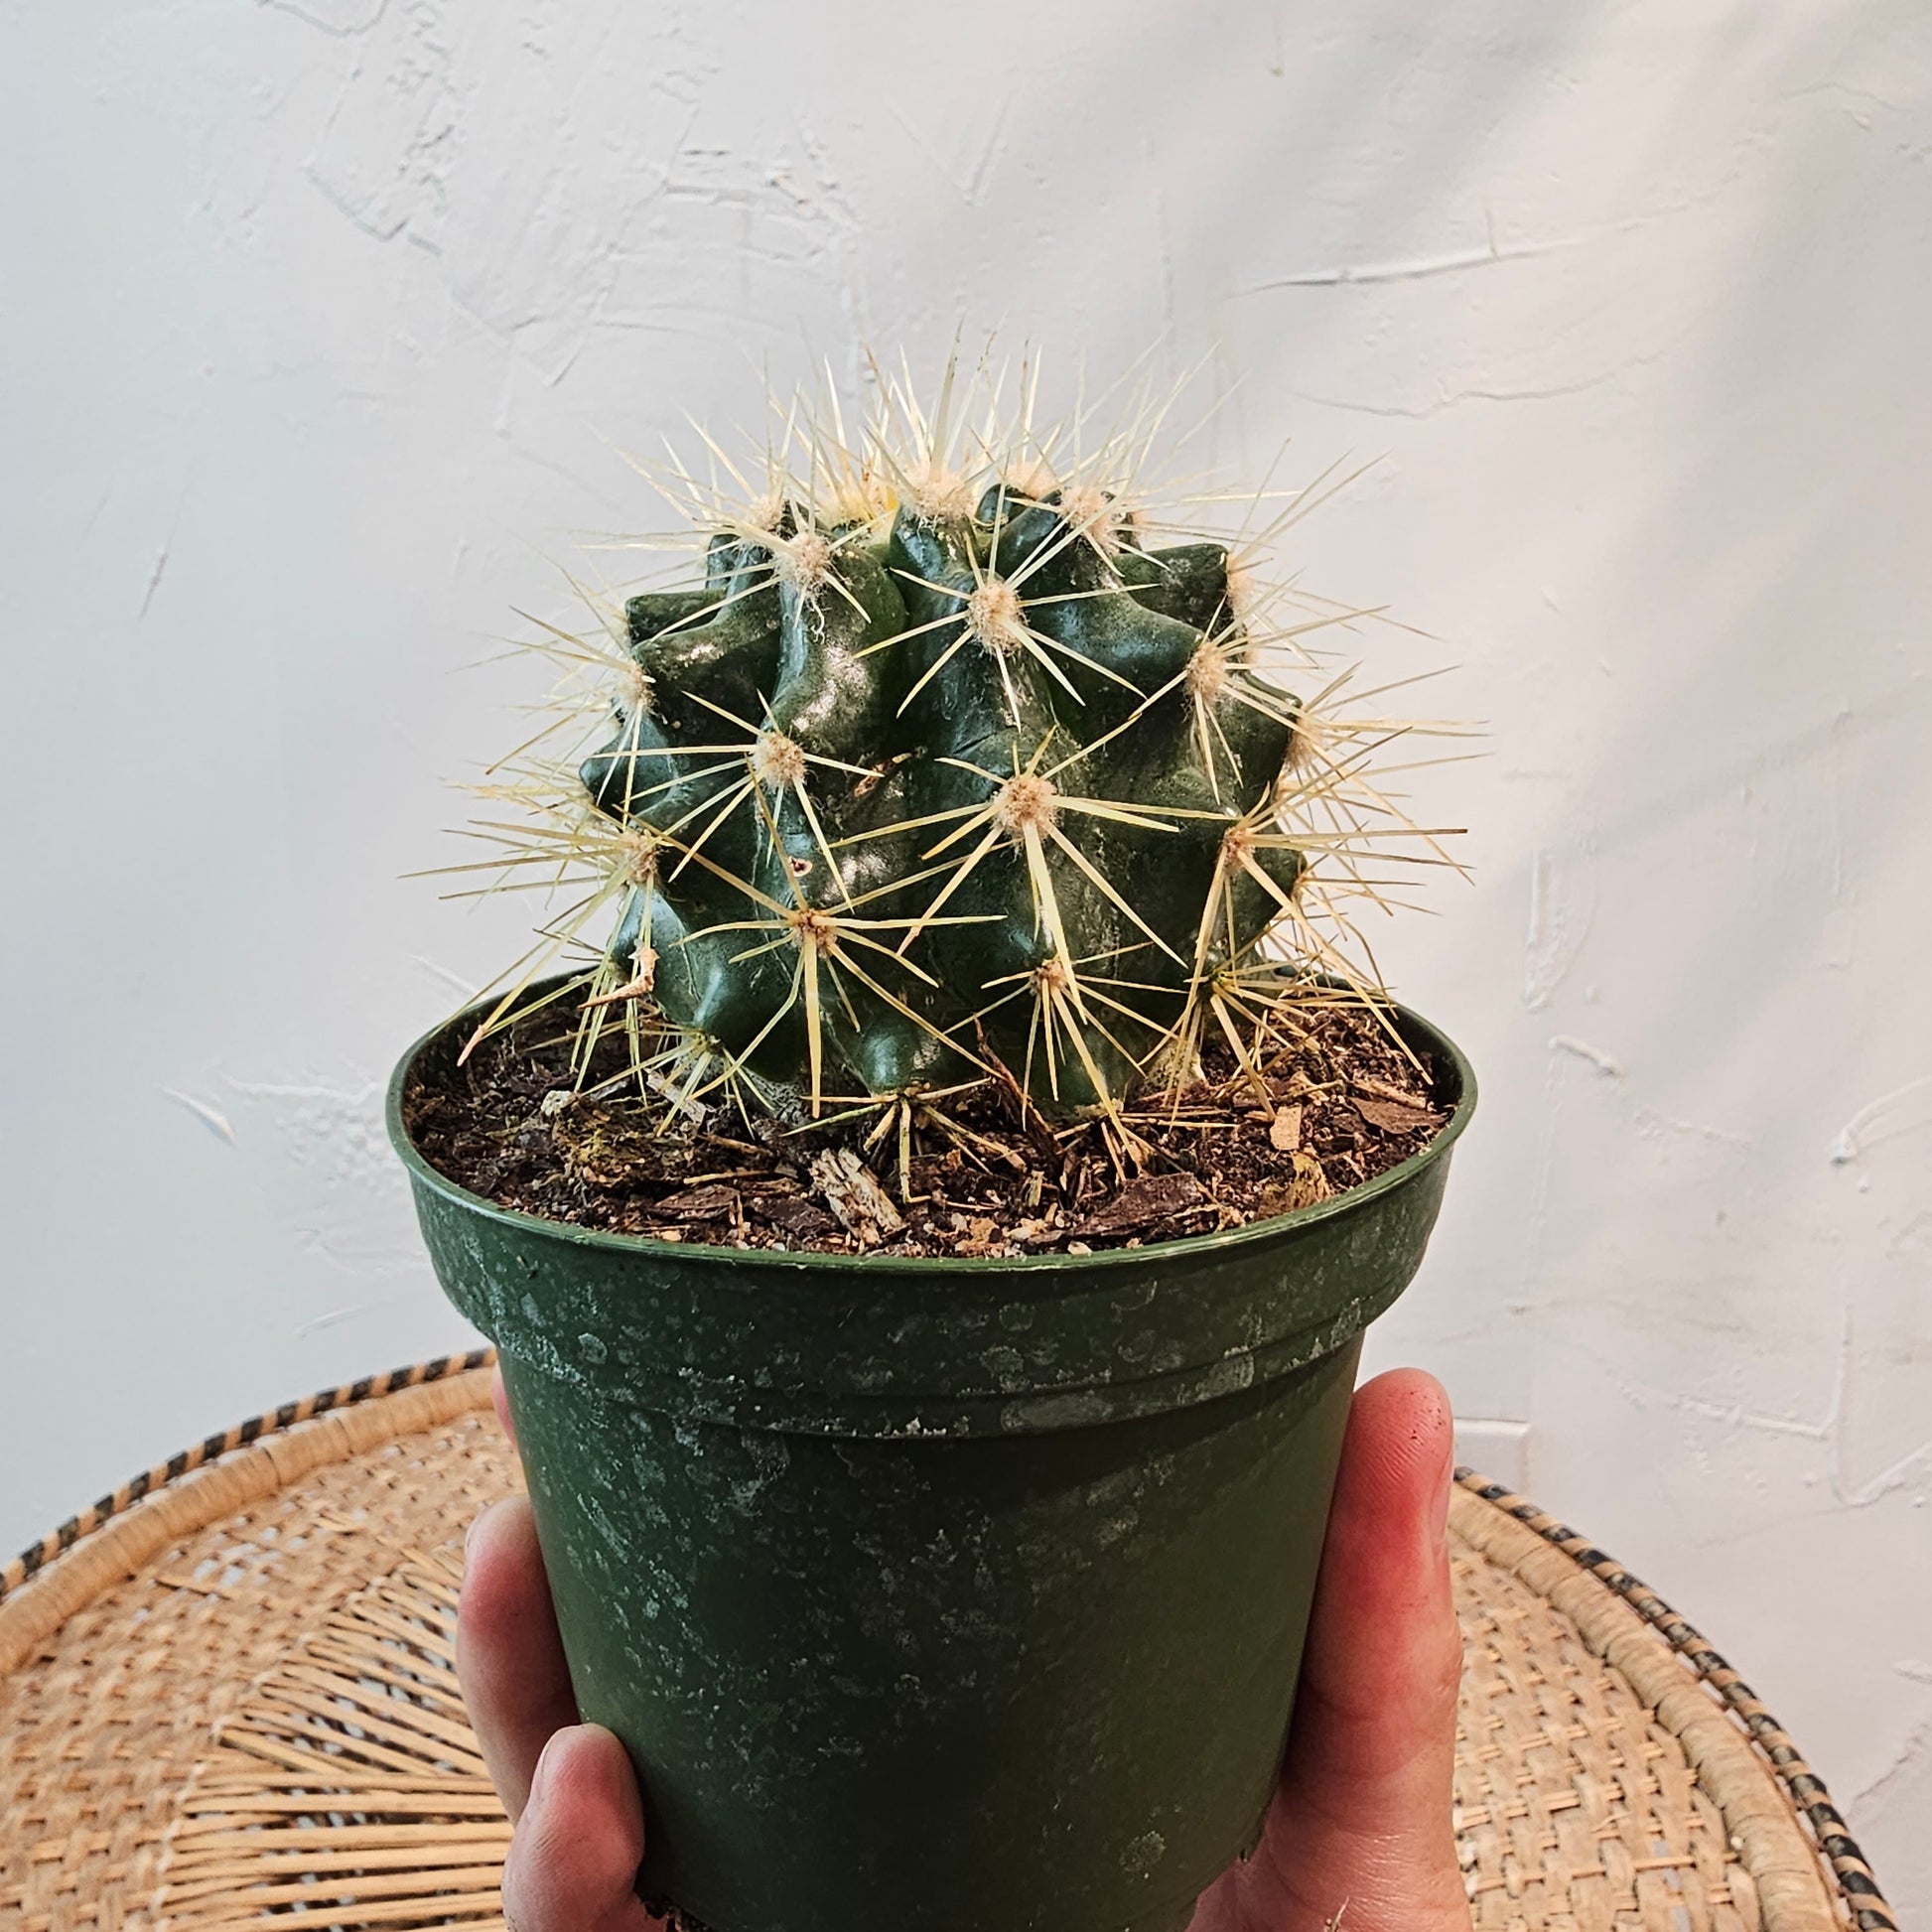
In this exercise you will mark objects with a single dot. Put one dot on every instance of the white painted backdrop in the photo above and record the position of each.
(319, 319)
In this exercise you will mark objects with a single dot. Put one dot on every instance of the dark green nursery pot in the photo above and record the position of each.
(936, 1595)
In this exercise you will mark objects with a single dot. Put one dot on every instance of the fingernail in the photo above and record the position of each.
(540, 1778)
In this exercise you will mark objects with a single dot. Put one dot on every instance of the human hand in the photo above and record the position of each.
(1361, 1818)
(1362, 1821)
(568, 1787)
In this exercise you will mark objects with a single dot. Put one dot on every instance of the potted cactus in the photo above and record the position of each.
(929, 1184)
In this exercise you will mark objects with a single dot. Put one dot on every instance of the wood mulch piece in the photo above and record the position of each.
(1343, 1105)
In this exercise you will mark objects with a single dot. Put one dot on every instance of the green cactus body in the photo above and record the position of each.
(949, 771)
(910, 799)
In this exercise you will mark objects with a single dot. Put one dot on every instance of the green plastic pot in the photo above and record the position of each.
(929, 1596)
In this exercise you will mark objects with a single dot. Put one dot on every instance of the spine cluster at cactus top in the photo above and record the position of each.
(951, 767)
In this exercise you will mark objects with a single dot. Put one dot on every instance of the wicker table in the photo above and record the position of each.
(227, 1699)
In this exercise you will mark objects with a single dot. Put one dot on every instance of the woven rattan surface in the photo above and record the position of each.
(235, 1705)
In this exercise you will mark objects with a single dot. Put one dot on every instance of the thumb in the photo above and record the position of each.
(573, 1860)
(1363, 1817)
(1372, 1760)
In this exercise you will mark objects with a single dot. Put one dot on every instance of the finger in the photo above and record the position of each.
(509, 1655)
(499, 1400)
(1384, 1655)
(573, 1860)
(1370, 1770)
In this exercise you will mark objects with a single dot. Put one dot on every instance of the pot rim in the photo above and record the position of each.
(423, 1173)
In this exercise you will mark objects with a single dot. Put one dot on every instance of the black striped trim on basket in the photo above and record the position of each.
(1870, 1913)
(38, 1556)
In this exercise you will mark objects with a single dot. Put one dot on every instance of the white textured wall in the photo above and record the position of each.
(319, 317)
